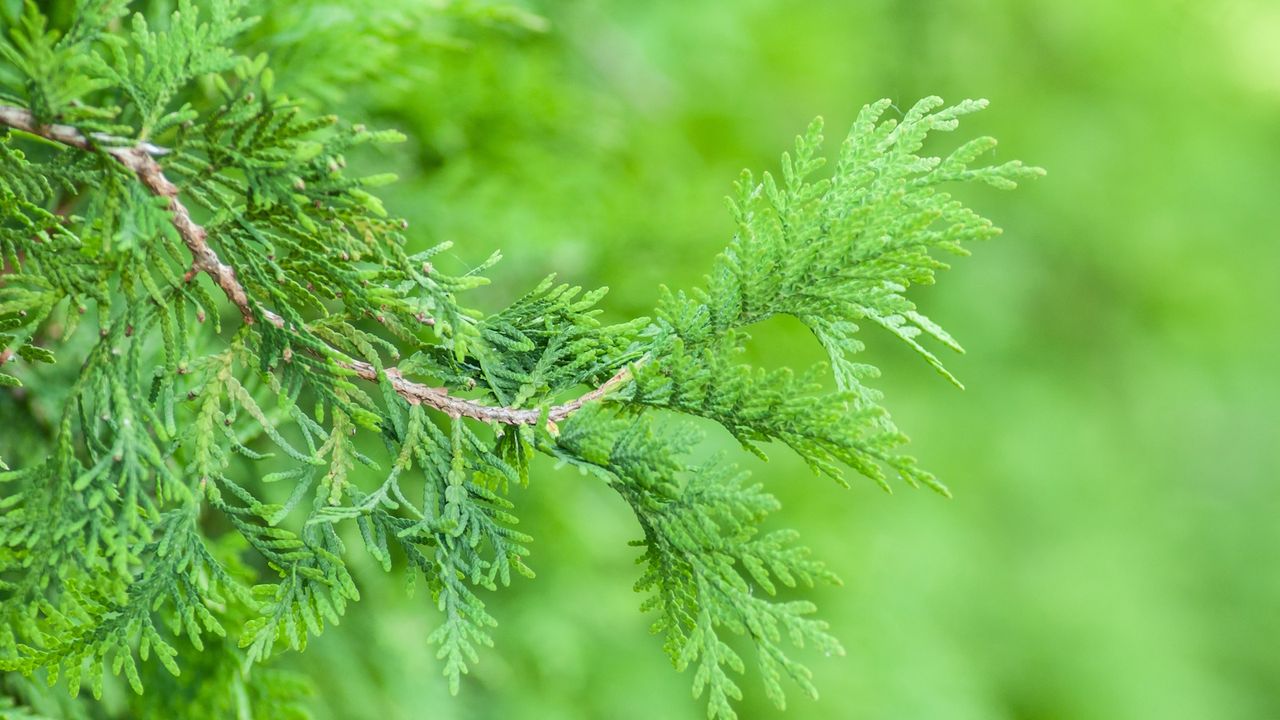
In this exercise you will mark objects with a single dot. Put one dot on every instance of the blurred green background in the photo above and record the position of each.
(1113, 548)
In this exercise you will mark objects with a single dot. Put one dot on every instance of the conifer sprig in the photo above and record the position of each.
(139, 524)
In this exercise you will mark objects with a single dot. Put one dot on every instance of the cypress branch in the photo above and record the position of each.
(134, 160)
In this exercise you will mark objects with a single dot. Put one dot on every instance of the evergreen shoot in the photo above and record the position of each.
(212, 334)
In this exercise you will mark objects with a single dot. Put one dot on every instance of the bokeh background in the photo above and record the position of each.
(1113, 548)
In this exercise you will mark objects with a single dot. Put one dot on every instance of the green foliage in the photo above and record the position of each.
(703, 555)
(213, 462)
(53, 70)
(831, 252)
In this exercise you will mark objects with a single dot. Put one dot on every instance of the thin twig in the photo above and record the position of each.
(439, 398)
(141, 161)
(138, 159)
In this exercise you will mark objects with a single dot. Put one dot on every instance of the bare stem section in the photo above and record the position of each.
(140, 160)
